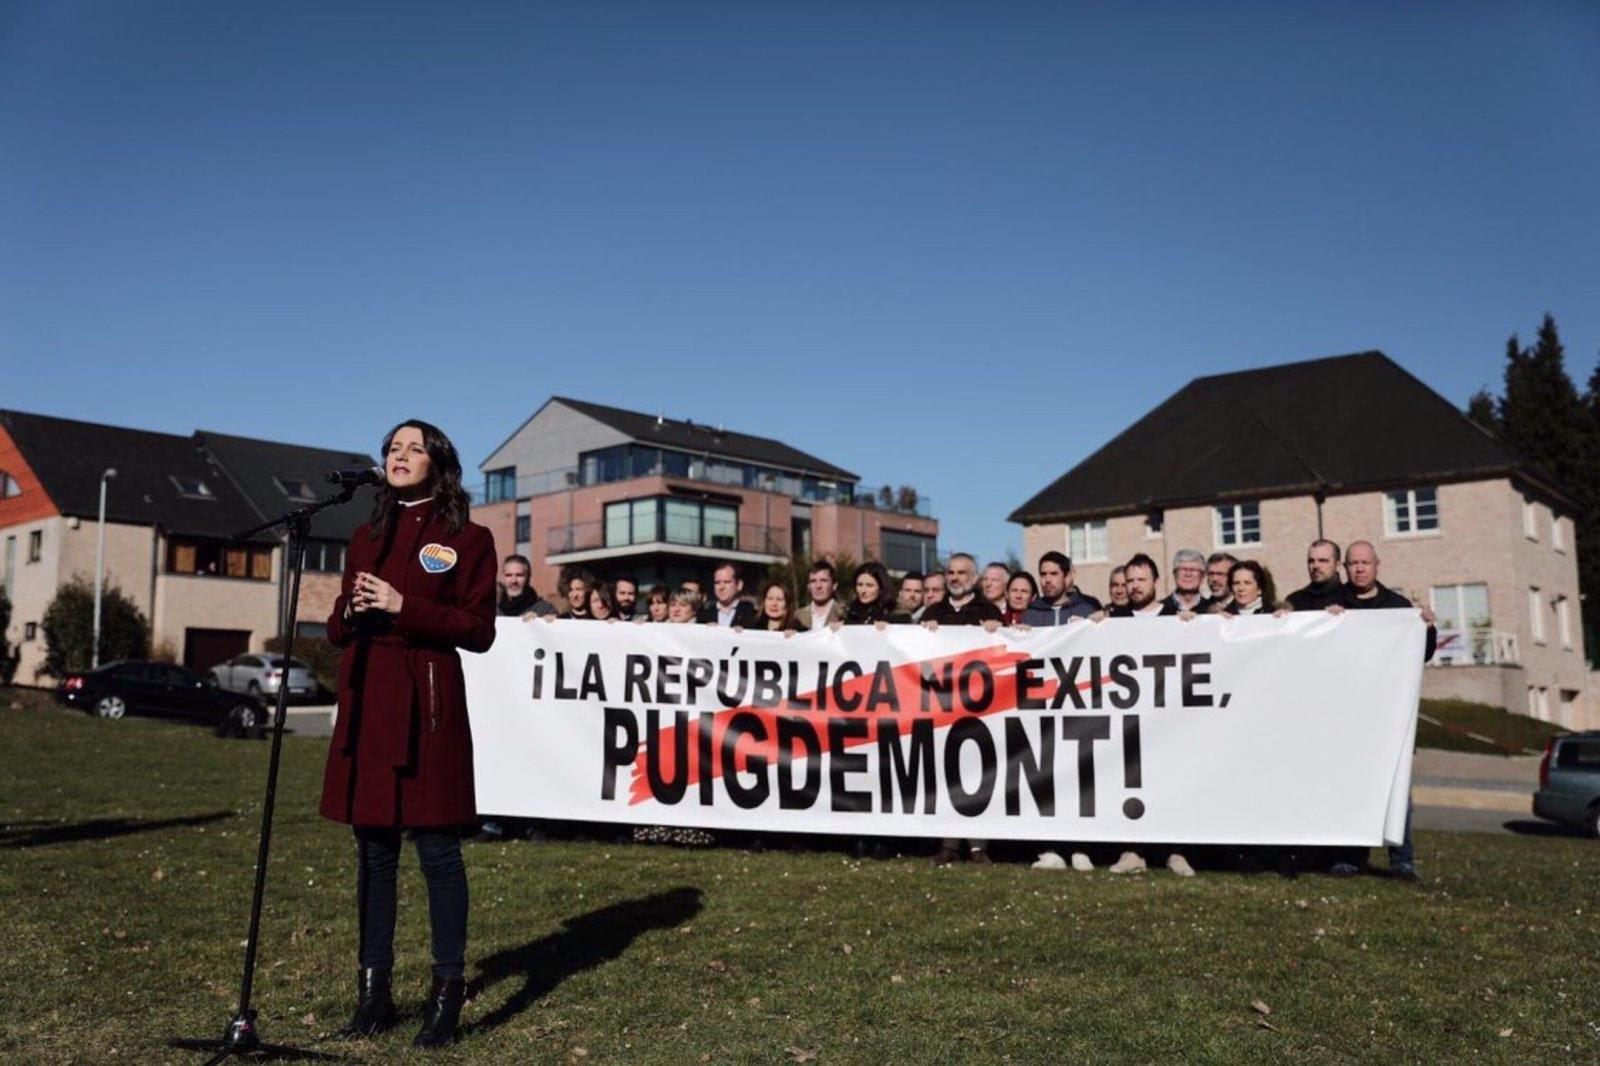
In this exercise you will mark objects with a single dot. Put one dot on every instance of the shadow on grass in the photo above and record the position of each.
(587, 941)
(38, 834)
(1529, 828)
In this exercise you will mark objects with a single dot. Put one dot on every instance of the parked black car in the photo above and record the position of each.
(162, 690)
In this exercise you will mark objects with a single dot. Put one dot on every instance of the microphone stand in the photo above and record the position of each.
(241, 1038)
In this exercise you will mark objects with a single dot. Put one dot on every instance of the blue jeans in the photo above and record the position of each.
(1405, 854)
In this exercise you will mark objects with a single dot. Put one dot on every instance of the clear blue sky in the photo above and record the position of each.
(953, 245)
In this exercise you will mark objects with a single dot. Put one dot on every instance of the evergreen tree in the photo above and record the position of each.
(9, 656)
(69, 629)
(1541, 417)
(1480, 408)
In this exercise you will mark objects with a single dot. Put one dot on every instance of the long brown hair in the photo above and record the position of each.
(450, 499)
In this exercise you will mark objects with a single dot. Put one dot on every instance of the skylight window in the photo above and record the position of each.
(8, 486)
(192, 488)
(296, 488)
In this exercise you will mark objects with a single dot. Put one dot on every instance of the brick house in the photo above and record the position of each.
(658, 499)
(1261, 462)
(171, 512)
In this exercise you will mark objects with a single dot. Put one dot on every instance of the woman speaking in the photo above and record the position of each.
(419, 582)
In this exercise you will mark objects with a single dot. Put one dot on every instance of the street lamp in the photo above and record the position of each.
(100, 568)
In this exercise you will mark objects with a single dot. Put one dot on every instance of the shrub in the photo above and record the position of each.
(69, 629)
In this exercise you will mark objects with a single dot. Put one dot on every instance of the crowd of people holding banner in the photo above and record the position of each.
(995, 595)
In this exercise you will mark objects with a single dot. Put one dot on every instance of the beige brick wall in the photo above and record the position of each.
(1480, 539)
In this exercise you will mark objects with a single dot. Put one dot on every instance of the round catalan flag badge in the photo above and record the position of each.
(436, 558)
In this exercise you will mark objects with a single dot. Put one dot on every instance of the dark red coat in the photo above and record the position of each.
(401, 753)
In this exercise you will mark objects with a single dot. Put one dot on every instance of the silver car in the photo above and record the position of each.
(260, 676)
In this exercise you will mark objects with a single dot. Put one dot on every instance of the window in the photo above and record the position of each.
(217, 558)
(1530, 521)
(1408, 511)
(192, 488)
(1536, 616)
(297, 489)
(1238, 523)
(1564, 622)
(1578, 755)
(524, 532)
(1086, 542)
(1538, 702)
(35, 545)
(500, 484)
(1466, 634)
(325, 556)
(1558, 533)
(30, 630)
(909, 551)
(1152, 525)
(8, 486)
(692, 522)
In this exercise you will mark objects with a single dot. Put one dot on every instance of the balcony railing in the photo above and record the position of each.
(881, 498)
(1476, 646)
(590, 536)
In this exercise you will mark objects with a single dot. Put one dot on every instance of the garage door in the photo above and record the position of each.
(205, 648)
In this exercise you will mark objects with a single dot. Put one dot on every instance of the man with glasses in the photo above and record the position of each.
(1218, 566)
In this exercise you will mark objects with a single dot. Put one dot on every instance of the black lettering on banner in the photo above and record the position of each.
(1132, 766)
(895, 768)
(797, 702)
(1194, 677)
(1039, 768)
(668, 680)
(703, 759)
(1159, 665)
(937, 686)
(1028, 680)
(621, 747)
(1096, 682)
(848, 671)
(538, 673)
(1086, 731)
(733, 696)
(840, 730)
(1067, 685)
(697, 674)
(636, 679)
(883, 692)
(562, 692)
(979, 703)
(662, 790)
(593, 685)
(744, 796)
(970, 804)
(792, 797)
(769, 685)
(1126, 682)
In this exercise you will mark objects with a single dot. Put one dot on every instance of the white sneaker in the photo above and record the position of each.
(1081, 863)
(1131, 862)
(1179, 865)
(1049, 860)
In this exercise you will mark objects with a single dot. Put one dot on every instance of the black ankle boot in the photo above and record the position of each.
(374, 1005)
(441, 1015)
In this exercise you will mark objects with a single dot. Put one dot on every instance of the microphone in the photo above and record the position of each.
(372, 475)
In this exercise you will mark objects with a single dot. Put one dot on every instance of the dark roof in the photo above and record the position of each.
(694, 437)
(1338, 424)
(257, 467)
(68, 456)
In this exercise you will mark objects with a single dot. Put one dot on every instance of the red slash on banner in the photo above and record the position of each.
(943, 690)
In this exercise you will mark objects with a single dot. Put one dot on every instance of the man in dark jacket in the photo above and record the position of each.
(518, 598)
(1364, 592)
(962, 606)
(726, 608)
(1059, 600)
(1322, 570)
(1188, 580)
(1141, 575)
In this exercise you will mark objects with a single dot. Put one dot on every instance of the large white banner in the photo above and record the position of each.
(1296, 730)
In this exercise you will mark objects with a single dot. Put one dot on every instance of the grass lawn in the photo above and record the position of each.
(125, 877)
(1515, 731)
